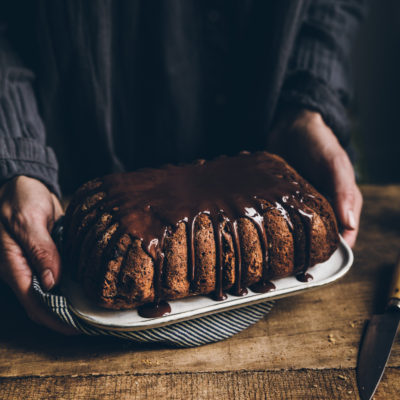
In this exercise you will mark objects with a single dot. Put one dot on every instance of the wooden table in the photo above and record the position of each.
(306, 348)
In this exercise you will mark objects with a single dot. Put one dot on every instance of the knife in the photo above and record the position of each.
(378, 340)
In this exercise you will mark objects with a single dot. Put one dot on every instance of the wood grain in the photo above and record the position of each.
(256, 385)
(314, 335)
(317, 330)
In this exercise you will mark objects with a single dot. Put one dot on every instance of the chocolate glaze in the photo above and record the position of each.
(154, 310)
(304, 277)
(263, 287)
(217, 227)
(149, 203)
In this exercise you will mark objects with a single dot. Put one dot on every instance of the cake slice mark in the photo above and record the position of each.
(159, 307)
(91, 201)
(110, 284)
(204, 255)
(216, 221)
(109, 253)
(316, 202)
(81, 221)
(228, 257)
(116, 258)
(136, 276)
(224, 277)
(117, 262)
(73, 245)
(312, 198)
(263, 284)
(302, 219)
(84, 191)
(176, 282)
(93, 275)
(219, 224)
(89, 242)
(321, 212)
(238, 290)
(299, 238)
(252, 254)
(81, 241)
(317, 238)
(259, 224)
(279, 233)
(74, 249)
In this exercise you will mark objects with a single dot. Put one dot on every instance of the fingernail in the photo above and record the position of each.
(351, 221)
(47, 279)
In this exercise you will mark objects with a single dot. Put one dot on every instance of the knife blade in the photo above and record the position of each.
(378, 340)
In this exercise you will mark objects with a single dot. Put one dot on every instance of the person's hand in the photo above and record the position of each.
(310, 146)
(28, 211)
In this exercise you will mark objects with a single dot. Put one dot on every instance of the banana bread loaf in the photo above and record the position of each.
(144, 237)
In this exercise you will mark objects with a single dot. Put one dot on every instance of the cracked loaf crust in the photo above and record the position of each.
(204, 228)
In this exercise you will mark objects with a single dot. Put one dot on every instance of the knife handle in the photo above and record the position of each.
(394, 294)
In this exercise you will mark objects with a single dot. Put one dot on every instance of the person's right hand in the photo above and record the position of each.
(28, 211)
(310, 146)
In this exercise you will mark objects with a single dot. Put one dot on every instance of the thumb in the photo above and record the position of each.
(347, 197)
(344, 191)
(58, 209)
(42, 253)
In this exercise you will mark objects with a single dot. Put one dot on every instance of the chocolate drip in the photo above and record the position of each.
(300, 217)
(158, 272)
(154, 310)
(304, 277)
(226, 189)
(307, 220)
(263, 287)
(217, 227)
(258, 221)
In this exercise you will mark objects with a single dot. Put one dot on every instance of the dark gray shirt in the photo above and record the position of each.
(126, 84)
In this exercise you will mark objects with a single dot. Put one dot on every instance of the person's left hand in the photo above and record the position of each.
(28, 211)
(309, 145)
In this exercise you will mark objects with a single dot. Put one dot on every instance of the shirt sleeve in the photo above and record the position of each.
(318, 72)
(23, 149)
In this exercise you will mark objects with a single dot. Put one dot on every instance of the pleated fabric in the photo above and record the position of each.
(191, 333)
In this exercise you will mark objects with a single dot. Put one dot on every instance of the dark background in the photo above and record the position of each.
(376, 110)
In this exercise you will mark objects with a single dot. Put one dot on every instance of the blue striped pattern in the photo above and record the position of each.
(196, 332)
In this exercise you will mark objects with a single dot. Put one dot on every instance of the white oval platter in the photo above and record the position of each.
(194, 307)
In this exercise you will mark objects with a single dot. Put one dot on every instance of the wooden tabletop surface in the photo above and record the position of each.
(306, 348)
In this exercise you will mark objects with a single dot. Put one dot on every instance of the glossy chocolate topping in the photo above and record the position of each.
(149, 203)
(304, 277)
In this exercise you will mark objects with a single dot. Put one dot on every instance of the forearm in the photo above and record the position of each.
(23, 150)
(318, 75)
